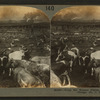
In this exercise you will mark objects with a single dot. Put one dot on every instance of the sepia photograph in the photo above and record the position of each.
(75, 47)
(49, 50)
(24, 47)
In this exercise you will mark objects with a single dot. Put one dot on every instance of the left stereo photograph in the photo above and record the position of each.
(24, 47)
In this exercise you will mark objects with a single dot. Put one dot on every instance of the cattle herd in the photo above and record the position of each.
(25, 73)
(69, 67)
(72, 65)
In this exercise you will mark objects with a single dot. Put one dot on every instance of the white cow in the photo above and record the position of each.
(16, 55)
(95, 55)
(75, 49)
(72, 54)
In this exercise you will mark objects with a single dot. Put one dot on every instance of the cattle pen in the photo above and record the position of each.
(30, 37)
(78, 35)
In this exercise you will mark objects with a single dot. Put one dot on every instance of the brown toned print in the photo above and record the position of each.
(78, 13)
(19, 12)
(24, 47)
(75, 47)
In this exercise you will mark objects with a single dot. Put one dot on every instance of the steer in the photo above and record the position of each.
(17, 55)
(61, 66)
(40, 71)
(23, 76)
(67, 56)
(84, 61)
(95, 60)
(44, 73)
(97, 75)
(3, 62)
(25, 79)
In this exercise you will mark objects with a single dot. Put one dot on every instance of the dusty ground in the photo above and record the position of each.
(10, 83)
(84, 82)
(7, 82)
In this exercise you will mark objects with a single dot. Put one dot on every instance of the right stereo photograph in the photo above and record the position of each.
(75, 47)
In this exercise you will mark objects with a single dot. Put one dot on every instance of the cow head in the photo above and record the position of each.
(3, 61)
(84, 58)
(84, 61)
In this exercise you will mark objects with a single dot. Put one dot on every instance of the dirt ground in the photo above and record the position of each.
(85, 83)
(7, 82)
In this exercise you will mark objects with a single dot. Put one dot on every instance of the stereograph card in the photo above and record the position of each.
(49, 50)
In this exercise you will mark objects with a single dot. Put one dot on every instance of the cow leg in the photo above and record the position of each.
(92, 70)
(69, 82)
(99, 79)
(97, 76)
(1, 70)
(66, 77)
(89, 72)
(10, 71)
(6, 72)
(64, 80)
(71, 64)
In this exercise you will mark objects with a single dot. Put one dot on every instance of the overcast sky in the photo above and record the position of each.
(18, 12)
(78, 13)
